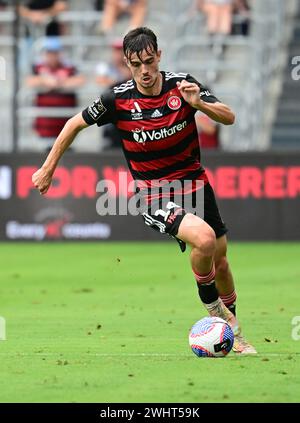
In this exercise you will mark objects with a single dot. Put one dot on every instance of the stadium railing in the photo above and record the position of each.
(248, 73)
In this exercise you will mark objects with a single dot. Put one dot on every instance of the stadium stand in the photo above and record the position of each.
(286, 129)
(6, 80)
(245, 71)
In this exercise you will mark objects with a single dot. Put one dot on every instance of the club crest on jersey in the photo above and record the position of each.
(136, 112)
(174, 102)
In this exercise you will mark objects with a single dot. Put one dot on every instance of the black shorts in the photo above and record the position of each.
(166, 216)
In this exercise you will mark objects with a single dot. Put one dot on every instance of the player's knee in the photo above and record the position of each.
(222, 266)
(198, 234)
(205, 242)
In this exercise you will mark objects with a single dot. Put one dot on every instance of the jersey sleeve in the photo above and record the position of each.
(205, 93)
(102, 111)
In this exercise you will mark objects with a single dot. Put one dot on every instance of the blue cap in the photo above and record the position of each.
(52, 44)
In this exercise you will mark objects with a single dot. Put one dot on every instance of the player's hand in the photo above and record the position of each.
(42, 179)
(190, 92)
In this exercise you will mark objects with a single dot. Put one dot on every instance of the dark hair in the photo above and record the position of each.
(139, 39)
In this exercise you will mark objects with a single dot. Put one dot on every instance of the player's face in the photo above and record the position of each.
(145, 69)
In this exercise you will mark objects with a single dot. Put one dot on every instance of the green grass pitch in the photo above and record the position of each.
(109, 322)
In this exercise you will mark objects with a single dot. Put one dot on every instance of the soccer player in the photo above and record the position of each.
(154, 112)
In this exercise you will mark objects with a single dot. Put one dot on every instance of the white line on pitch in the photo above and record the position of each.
(187, 355)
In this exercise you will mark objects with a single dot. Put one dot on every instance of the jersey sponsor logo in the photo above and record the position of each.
(141, 136)
(136, 112)
(156, 114)
(174, 102)
(97, 109)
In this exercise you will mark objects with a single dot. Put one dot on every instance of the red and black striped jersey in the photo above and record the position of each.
(159, 134)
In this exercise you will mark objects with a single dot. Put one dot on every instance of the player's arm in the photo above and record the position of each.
(219, 112)
(205, 102)
(42, 178)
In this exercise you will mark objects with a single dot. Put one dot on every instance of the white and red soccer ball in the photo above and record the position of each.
(211, 337)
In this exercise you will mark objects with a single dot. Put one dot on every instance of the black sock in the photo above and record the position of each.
(208, 292)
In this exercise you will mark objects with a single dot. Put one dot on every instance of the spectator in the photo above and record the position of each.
(110, 74)
(55, 80)
(116, 70)
(219, 15)
(241, 10)
(113, 9)
(208, 131)
(42, 13)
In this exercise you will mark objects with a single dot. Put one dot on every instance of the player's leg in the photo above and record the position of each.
(194, 231)
(225, 286)
(226, 290)
(224, 278)
(201, 237)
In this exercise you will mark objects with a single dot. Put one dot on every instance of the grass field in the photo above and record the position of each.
(109, 323)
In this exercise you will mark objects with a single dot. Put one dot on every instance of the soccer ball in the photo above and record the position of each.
(211, 337)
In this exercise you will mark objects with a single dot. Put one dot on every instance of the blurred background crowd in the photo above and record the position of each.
(59, 55)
